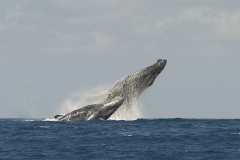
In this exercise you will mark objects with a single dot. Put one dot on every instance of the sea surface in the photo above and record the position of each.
(176, 139)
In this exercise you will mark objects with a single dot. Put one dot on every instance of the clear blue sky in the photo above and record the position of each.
(53, 49)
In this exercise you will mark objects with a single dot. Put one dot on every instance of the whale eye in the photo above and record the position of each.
(164, 60)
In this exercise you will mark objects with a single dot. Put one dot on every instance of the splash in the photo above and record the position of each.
(50, 119)
(130, 111)
(83, 98)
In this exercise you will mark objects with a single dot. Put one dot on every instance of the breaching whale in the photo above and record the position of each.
(120, 97)
(93, 112)
(131, 86)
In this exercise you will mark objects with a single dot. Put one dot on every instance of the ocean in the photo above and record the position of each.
(171, 139)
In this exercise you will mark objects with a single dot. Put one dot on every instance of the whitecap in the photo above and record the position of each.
(42, 127)
(127, 135)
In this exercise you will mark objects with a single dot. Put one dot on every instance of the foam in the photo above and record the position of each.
(50, 119)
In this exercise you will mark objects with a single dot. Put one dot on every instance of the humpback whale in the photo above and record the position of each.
(131, 86)
(93, 112)
(120, 97)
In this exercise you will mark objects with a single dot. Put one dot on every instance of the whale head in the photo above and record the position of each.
(147, 75)
(155, 70)
(131, 86)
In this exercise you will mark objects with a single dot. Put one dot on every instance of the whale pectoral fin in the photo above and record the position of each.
(110, 107)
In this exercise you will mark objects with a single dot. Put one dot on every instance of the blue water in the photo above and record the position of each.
(140, 139)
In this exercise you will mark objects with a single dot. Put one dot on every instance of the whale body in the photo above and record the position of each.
(93, 112)
(120, 97)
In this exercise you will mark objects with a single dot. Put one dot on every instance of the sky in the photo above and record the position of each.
(56, 52)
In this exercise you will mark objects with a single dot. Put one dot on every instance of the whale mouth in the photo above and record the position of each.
(164, 63)
(156, 70)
